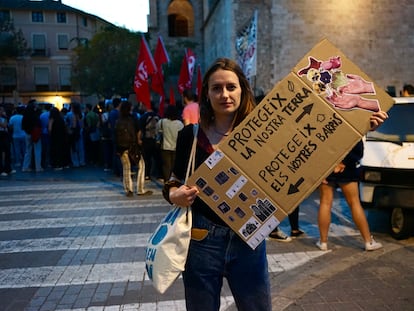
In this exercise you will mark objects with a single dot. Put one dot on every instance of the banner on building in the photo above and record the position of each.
(246, 47)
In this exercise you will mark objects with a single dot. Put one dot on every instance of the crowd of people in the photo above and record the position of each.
(37, 137)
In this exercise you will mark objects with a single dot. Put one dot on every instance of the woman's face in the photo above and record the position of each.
(224, 92)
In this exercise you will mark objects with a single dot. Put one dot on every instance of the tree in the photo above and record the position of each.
(106, 64)
(12, 42)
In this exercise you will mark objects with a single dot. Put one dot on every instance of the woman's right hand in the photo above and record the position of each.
(184, 195)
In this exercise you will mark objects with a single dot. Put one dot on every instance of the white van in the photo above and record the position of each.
(388, 168)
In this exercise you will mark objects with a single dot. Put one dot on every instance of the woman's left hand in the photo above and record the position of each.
(377, 118)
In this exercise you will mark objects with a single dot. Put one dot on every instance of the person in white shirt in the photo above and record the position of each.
(169, 127)
(18, 136)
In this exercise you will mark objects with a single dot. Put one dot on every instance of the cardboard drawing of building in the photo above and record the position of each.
(292, 140)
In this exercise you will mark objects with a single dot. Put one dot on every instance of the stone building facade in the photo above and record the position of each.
(375, 34)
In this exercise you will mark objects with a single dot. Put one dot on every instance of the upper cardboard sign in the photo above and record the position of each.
(342, 85)
(291, 141)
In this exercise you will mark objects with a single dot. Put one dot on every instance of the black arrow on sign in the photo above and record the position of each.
(306, 110)
(295, 188)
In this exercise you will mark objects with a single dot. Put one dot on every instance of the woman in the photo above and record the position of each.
(345, 176)
(226, 99)
(58, 140)
(30, 123)
(127, 135)
(74, 121)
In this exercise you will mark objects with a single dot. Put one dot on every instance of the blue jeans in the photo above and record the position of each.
(37, 147)
(223, 254)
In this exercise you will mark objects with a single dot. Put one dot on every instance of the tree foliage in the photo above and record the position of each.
(106, 64)
(12, 42)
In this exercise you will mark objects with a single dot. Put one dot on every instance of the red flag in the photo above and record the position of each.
(160, 54)
(160, 58)
(145, 68)
(172, 97)
(186, 72)
(199, 82)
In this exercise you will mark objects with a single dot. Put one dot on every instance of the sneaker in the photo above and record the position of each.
(373, 245)
(4, 174)
(296, 233)
(148, 192)
(12, 172)
(129, 194)
(323, 246)
(26, 170)
(279, 235)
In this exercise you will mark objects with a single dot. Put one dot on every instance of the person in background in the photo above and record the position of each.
(215, 250)
(92, 135)
(191, 111)
(150, 150)
(169, 128)
(44, 121)
(18, 136)
(58, 140)
(112, 118)
(278, 235)
(346, 176)
(30, 124)
(5, 145)
(408, 90)
(106, 135)
(128, 133)
(74, 122)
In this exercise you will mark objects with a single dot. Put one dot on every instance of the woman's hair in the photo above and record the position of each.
(125, 109)
(247, 101)
(77, 110)
(172, 113)
(55, 113)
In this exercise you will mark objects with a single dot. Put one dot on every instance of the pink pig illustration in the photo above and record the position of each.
(332, 63)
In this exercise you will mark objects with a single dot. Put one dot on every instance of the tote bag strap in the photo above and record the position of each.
(191, 161)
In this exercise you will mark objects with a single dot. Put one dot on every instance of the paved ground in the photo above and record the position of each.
(71, 240)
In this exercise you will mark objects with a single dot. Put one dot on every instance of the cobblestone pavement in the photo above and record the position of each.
(71, 240)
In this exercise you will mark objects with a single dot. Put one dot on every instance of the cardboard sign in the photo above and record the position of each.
(291, 141)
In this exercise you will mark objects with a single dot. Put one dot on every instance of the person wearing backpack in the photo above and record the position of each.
(150, 149)
(128, 140)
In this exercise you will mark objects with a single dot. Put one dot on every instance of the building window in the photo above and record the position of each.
(41, 78)
(8, 79)
(37, 17)
(39, 45)
(61, 17)
(64, 78)
(4, 16)
(180, 19)
(63, 42)
(84, 21)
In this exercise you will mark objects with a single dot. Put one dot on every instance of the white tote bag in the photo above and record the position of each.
(167, 248)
